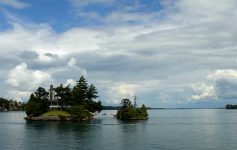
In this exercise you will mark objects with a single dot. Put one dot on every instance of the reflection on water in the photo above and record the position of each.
(165, 129)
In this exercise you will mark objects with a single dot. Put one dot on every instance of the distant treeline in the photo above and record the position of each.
(111, 107)
(229, 106)
(11, 105)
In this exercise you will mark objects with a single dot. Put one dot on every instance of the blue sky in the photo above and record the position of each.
(169, 53)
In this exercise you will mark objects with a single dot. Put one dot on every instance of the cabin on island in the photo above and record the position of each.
(54, 99)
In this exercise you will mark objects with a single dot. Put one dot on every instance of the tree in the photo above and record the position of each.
(79, 91)
(37, 103)
(92, 92)
(41, 93)
(129, 112)
(143, 110)
(126, 103)
(64, 94)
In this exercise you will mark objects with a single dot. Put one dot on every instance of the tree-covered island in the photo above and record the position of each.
(63, 102)
(10, 105)
(130, 112)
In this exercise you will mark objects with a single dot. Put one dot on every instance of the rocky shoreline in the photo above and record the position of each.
(54, 118)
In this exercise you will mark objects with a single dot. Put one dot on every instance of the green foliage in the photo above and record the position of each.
(81, 95)
(4, 103)
(79, 113)
(92, 106)
(41, 93)
(38, 103)
(126, 103)
(79, 92)
(92, 92)
(64, 94)
(10, 105)
(129, 112)
(229, 106)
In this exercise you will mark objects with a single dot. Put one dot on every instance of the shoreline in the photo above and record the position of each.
(55, 118)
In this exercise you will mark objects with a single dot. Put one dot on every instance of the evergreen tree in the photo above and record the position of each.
(143, 110)
(79, 91)
(92, 92)
(64, 94)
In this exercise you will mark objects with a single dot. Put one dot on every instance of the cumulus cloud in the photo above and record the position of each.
(179, 45)
(223, 74)
(117, 92)
(70, 82)
(24, 78)
(204, 92)
(225, 82)
(18, 95)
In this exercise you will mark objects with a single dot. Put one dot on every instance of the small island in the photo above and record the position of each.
(63, 103)
(130, 112)
(230, 106)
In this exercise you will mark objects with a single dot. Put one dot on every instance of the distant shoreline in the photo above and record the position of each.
(149, 108)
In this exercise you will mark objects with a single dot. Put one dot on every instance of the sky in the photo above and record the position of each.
(169, 53)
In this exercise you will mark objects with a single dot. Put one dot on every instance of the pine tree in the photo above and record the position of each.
(92, 92)
(64, 94)
(79, 91)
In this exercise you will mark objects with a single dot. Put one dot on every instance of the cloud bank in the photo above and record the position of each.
(171, 54)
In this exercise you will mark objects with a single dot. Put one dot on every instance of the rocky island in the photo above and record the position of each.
(63, 103)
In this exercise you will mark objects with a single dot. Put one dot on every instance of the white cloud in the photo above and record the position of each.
(88, 2)
(119, 91)
(23, 78)
(72, 82)
(19, 95)
(179, 45)
(72, 63)
(223, 74)
(205, 92)
(14, 3)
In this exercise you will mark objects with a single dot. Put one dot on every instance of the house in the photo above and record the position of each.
(53, 99)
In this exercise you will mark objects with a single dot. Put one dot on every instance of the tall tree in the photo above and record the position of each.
(38, 102)
(79, 91)
(64, 94)
(126, 103)
(92, 92)
(41, 93)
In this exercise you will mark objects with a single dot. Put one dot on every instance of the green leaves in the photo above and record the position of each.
(37, 103)
(81, 95)
(64, 94)
(79, 91)
(129, 112)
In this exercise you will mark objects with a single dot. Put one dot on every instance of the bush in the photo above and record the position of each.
(79, 113)
(36, 106)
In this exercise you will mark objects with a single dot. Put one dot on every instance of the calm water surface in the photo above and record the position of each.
(165, 129)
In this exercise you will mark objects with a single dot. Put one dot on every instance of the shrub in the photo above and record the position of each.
(79, 112)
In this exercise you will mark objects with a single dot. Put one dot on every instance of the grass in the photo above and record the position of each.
(56, 113)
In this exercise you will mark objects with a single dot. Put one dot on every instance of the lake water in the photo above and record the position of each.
(187, 129)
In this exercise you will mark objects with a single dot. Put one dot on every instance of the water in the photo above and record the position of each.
(166, 129)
